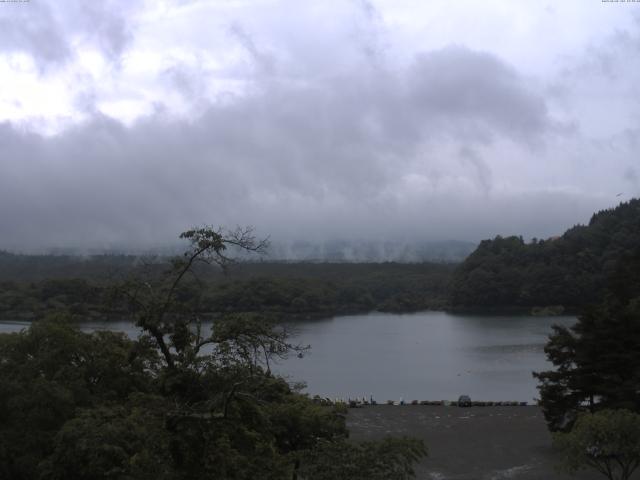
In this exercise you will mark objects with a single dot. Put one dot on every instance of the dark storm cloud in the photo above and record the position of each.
(47, 30)
(321, 158)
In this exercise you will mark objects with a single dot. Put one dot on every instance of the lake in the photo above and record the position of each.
(423, 356)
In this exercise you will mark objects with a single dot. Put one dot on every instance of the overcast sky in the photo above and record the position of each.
(126, 122)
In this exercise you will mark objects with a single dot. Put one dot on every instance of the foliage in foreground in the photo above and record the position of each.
(94, 406)
(392, 458)
(607, 441)
(177, 403)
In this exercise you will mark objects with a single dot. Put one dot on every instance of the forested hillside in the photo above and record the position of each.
(571, 270)
(32, 286)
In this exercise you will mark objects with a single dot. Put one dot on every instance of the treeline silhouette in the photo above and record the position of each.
(564, 273)
(33, 286)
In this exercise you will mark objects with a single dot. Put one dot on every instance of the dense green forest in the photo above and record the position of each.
(566, 272)
(569, 271)
(179, 402)
(31, 286)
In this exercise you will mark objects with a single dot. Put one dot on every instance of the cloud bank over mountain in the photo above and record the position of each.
(340, 120)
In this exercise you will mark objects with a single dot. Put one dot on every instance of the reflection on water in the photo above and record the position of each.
(427, 355)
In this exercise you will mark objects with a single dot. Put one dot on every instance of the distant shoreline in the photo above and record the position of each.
(19, 316)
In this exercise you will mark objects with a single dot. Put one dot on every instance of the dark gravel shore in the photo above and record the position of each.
(476, 443)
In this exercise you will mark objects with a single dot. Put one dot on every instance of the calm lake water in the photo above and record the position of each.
(423, 356)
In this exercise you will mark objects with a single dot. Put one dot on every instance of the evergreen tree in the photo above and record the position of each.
(597, 361)
(570, 270)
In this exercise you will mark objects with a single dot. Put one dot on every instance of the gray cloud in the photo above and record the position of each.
(324, 158)
(369, 32)
(313, 129)
(478, 92)
(107, 23)
(264, 61)
(631, 175)
(33, 28)
(482, 170)
(47, 31)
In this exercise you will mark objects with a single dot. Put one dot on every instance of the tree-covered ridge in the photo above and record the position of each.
(33, 268)
(283, 289)
(570, 270)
